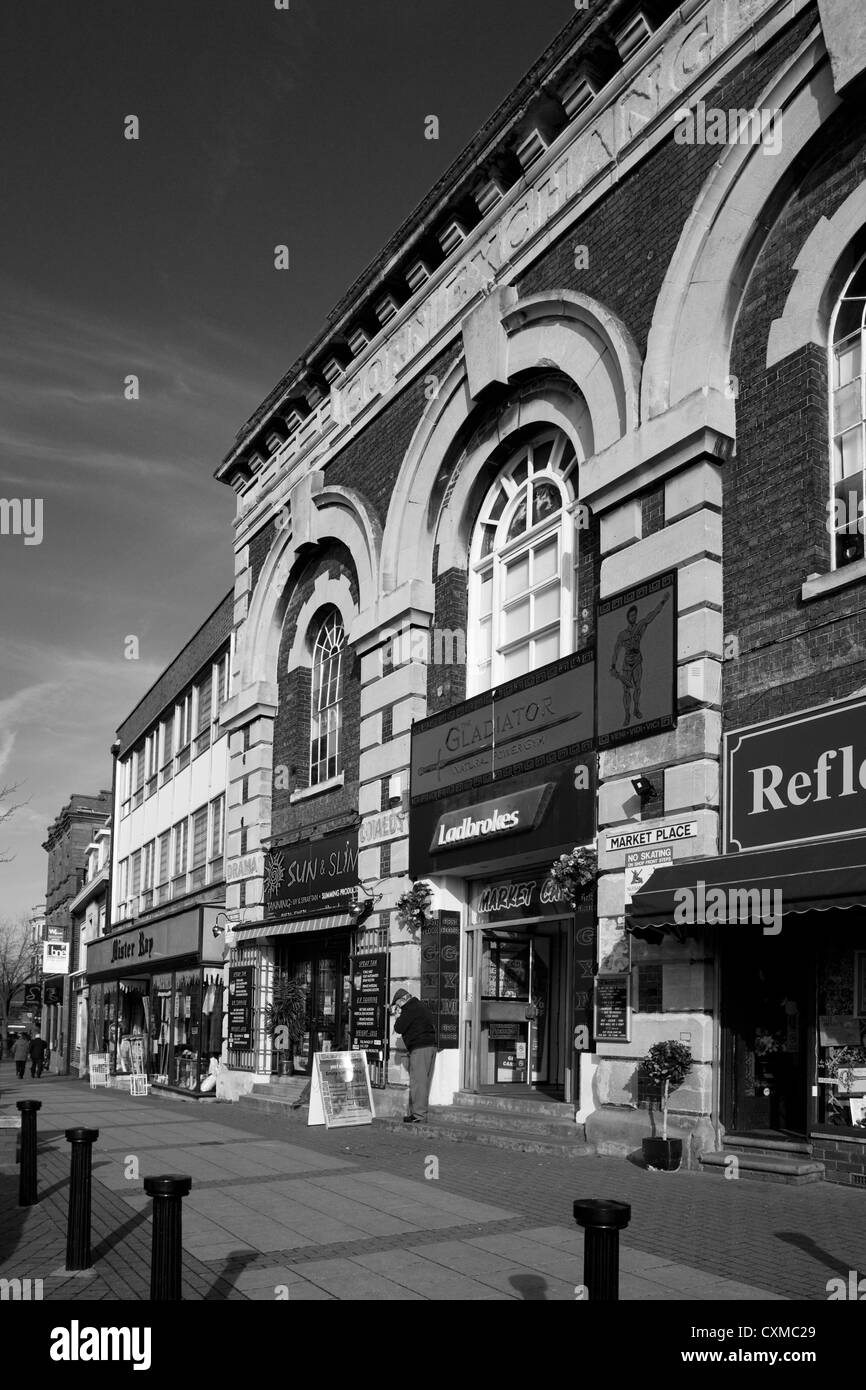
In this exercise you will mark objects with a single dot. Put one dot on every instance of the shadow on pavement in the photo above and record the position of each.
(810, 1247)
(531, 1287)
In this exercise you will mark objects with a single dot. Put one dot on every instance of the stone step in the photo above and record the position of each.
(746, 1144)
(498, 1139)
(269, 1105)
(519, 1105)
(286, 1088)
(485, 1117)
(758, 1167)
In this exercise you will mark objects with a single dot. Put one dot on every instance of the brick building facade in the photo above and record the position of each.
(600, 352)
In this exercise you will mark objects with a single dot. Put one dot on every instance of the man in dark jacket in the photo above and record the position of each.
(414, 1022)
(38, 1049)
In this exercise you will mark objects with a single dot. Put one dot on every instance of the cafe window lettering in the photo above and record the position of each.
(523, 557)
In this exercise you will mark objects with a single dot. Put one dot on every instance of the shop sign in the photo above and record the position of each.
(159, 941)
(640, 865)
(613, 1008)
(241, 979)
(311, 878)
(246, 866)
(637, 661)
(516, 897)
(529, 819)
(667, 834)
(440, 975)
(55, 957)
(340, 1093)
(526, 724)
(801, 777)
(54, 991)
(32, 995)
(369, 997)
(389, 825)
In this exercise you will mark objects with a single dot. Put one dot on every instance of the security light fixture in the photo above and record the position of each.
(644, 787)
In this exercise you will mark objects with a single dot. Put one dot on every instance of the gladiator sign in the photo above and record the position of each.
(636, 665)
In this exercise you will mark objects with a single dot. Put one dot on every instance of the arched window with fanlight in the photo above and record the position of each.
(848, 418)
(522, 582)
(326, 752)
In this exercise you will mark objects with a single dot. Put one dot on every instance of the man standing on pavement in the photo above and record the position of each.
(38, 1049)
(414, 1022)
(20, 1053)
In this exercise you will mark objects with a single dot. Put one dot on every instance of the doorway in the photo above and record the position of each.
(323, 970)
(523, 1008)
(766, 1015)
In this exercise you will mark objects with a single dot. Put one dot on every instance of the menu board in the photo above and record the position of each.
(613, 1008)
(440, 974)
(369, 993)
(241, 1007)
(340, 1093)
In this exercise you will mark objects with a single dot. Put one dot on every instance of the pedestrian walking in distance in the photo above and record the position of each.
(38, 1049)
(20, 1053)
(415, 1024)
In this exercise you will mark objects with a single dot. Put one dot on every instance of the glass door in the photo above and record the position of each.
(522, 1007)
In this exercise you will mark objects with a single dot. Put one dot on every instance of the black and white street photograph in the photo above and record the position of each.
(432, 673)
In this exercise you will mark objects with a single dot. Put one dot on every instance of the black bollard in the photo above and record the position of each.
(27, 1194)
(165, 1265)
(602, 1222)
(78, 1218)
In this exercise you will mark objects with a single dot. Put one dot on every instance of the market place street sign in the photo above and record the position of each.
(798, 778)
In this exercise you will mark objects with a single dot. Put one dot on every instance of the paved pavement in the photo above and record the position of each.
(280, 1210)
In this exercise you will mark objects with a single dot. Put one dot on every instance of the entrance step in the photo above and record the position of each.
(768, 1146)
(760, 1167)
(276, 1097)
(499, 1138)
(561, 1126)
(524, 1104)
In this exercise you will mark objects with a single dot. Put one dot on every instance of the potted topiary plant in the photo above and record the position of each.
(285, 1020)
(667, 1065)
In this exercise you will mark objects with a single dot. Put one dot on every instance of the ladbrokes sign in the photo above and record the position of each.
(798, 778)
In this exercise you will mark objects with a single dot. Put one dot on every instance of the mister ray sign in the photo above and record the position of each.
(311, 878)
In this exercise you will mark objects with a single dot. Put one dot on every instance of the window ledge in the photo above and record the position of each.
(819, 585)
(329, 786)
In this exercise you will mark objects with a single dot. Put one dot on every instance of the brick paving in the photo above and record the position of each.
(282, 1210)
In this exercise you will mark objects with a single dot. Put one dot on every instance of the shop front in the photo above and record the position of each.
(785, 909)
(501, 785)
(155, 999)
(306, 937)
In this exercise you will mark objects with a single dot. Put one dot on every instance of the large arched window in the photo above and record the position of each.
(326, 753)
(523, 553)
(848, 418)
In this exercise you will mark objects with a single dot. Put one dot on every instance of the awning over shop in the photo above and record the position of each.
(259, 930)
(814, 877)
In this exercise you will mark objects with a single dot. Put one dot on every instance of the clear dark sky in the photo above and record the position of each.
(154, 257)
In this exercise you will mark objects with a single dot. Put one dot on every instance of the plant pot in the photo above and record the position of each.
(665, 1155)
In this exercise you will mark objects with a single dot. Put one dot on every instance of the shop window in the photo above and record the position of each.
(523, 553)
(199, 849)
(181, 836)
(217, 868)
(848, 419)
(166, 741)
(186, 1015)
(203, 715)
(327, 700)
(138, 785)
(183, 729)
(842, 1032)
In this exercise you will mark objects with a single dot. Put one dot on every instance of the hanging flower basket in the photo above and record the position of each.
(413, 906)
(572, 872)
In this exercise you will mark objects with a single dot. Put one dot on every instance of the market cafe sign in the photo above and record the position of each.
(596, 152)
(505, 815)
(658, 835)
(798, 778)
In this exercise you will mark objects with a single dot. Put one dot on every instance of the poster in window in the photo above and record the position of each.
(636, 666)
